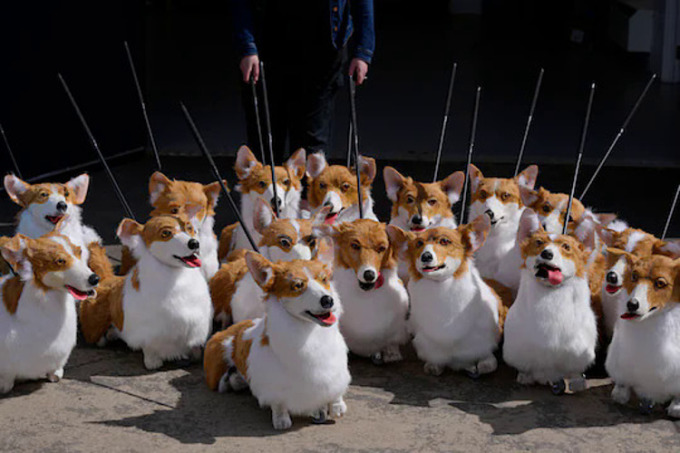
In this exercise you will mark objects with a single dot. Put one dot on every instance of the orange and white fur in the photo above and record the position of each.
(550, 330)
(374, 299)
(255, 181)
(644, 355)
(174, 197)
(454, 314)
(235, 295)
(163, 305)
(336, 186)
(499, 199)
(294, 359)
(38, 314)
(48, 205)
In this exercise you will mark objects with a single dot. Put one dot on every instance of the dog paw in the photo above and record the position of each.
(578, 384)
(488, 365)
(237, 382)
(152, 361)
(621, 394)
(674, 409)
(55, 376)
(392, 354)
(338, 408)
(525, 379)
(223, 386)
(433, 369)
(112, 335)
(281, 420)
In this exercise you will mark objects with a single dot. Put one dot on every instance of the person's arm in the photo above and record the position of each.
(364, 39)
(244, 34)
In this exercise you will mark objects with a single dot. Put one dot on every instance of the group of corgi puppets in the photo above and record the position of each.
(326, 281)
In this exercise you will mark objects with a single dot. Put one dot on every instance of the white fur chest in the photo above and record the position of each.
(645, 355)
(39, 337)
(247, 303)
(372, 319)
(208, 240)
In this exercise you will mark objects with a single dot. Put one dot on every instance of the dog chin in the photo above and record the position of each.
(434, 272)
(325, 319)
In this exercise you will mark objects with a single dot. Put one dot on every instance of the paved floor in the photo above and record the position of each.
(109, 402)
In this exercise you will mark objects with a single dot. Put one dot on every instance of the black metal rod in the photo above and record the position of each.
(258, 122)
(149, 132)
(353, 117)
(618, 135)
(95, 146)
(581, 147)
(216, 173)
(473, 134)
(670, 213)
(11, 154)
(267, 119)
(537, 90)
(442, 133)
(350, 133)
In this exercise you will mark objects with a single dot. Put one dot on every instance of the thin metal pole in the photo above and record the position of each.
(258, 122)
(537, 90)
(442, 133)
(670, 213)
(353, 116)
(95, 146)
(350, 133)
(216, 173)
(581, 147)
(618, 135)
(471, 147)
(149, 132)
(267, 119)
(11, 154)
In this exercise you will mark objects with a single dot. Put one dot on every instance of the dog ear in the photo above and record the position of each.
(453, 186)
(316, 163)
(191, 210)
(607, 236)
(527, 178)
(476, 177)
(394, 182)
(615, 252)
(586, 232)
(263, 216)
(319, 217)
(261, 269)
(475, 232)
(528, 196)
(667, 248)
(212, 192)
(79, 186)
(605, 219)
(399, 240)
(128, 232)
(158, 182)
(297, 163)
(528, 225)
(15, 188)
(12, 250)
(367, 170)
(245, 162)
(326, 252)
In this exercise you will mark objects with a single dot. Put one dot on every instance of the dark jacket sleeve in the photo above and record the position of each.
(244, 27)
(364, 38)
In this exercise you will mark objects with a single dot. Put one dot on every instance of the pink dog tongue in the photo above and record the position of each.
(330, 219)
(554, 276)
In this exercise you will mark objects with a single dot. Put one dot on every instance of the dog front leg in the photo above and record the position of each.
(280, 417)
(6, 383)
(621, 394)
(337, 408)
(674, 408)
(152, 361)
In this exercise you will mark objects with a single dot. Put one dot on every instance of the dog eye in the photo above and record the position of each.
(66, 193)
(60, 261)
(298, 285)
(355, 246)
(634, 276)
(311, 242)
(444, 241)
(323, 185)
(419, 244)
(432, 201)
(483, 194)
(285, 243)
(410, 199)
(345, 187)
(547, 208)
(660, 283)
(381, 249)
(165, 234)
(44, 195)
(262, 184)
(286, 182)
(174, 210)
(566, 247)
(539, 242)
(505, 196)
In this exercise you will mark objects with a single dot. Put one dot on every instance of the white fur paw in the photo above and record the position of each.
(56, 375)
(578, 384)
(6, 384)
(433, 369)
(674, 408)
(525, 379)
(621, 394)
(152, 361)
(236, 382)
(488, 365)
(392, 354)
(223, 386)
(281, 419)
(337, 408)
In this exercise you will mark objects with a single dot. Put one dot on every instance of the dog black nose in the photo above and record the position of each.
(193, 244)
(547, 254)
(416, 220)
(490, 213)
(612, 278)
(62, 206)
(633, 305)
(326, 301)
(93, 279)
(426, 257)
(369, 276)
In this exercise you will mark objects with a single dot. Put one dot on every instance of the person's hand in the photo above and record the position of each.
(358, 69)
(250, 64)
